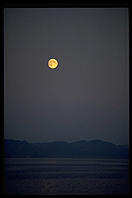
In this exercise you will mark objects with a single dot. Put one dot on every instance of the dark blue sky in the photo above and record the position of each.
(86, 97)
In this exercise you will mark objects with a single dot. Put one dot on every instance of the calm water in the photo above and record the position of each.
(66, 176)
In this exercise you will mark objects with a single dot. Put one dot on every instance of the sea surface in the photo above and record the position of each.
(55, 176)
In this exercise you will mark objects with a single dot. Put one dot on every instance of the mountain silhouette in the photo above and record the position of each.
(79, 149)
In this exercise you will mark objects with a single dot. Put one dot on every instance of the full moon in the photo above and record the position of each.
(52, 63)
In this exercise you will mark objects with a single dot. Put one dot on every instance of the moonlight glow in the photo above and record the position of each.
(52, 63)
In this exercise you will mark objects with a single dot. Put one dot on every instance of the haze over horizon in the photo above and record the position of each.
(86, 96)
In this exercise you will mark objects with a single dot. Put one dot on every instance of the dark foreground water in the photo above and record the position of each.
(66, 176)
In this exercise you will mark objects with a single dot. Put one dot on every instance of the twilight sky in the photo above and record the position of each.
(86, 96)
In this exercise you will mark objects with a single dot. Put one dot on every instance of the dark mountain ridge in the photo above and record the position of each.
(79, 149)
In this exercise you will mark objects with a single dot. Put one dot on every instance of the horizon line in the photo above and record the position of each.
(60, 141)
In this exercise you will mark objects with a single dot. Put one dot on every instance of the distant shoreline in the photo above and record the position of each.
(80, 149)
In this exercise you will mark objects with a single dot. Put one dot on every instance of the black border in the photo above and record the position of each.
(54, 4)
(2, 106)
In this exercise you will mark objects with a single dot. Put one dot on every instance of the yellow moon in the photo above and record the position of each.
(52, 63)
